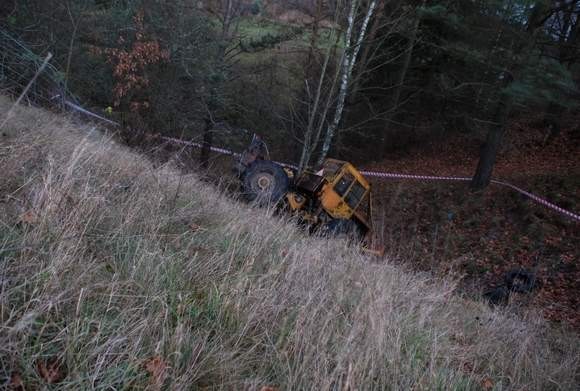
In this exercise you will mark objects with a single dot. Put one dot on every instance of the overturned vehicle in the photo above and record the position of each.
(335, 200)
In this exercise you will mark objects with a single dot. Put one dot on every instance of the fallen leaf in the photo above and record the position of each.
(467, 367)
(51, 370)
(156, 368)
(16, 382)
(487, 384)
(29, 218)
(194, 227)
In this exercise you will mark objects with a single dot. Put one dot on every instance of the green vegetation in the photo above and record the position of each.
(262, 32)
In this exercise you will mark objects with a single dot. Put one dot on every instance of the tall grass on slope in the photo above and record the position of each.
(108, 262)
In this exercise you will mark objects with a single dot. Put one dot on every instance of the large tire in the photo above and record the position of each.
(520, 280)
(497, 296)
(265, 182)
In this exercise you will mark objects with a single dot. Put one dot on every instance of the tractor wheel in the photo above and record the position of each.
(265, 182)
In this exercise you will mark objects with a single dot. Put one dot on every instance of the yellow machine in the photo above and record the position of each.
(335, 200)
(340, 192)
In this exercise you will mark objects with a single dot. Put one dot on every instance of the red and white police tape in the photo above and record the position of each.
(223, 151)
(378, 174)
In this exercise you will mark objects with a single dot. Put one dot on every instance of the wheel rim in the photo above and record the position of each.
(263, 183)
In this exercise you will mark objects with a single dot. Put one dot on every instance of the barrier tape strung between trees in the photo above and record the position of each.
(388, 175)
(531, 196)
(376, 174)
(27, 59)
(538, 199)
(223, 151)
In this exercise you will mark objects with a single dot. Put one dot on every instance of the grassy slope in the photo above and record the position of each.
(108, 261)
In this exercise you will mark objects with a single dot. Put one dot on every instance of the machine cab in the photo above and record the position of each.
(346, 191)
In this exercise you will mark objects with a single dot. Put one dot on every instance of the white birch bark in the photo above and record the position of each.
(348, 61)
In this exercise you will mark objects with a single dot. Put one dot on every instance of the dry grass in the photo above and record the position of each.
(108, 261)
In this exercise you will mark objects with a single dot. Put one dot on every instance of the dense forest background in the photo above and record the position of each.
(361, 79)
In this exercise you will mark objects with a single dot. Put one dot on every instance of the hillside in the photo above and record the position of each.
(117, 273)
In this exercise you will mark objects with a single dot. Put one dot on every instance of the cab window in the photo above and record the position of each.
(343, 184)
(331, 168)
(355, 195)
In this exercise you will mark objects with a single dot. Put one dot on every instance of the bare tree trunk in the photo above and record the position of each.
(308, 71)
(488, 68)
(75, 25)
(348, 62)
(362, 66)
(492, 143)
(395, 99)
(490, 148)
(309, 143)
(330, 95)
(314, 39)
(230, 11)
(567, 43)
(310, 139)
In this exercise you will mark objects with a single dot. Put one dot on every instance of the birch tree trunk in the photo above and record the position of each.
(362, 68)
(348, 61)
